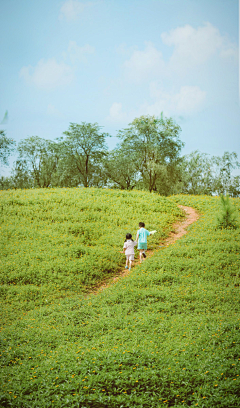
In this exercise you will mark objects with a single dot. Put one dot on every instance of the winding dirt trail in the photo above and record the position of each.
(180, 227)
(177, 231)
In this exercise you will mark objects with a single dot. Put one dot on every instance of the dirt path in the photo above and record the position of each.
(180, 227)
(178, 230)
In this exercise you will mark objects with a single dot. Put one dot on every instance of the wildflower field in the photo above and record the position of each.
(167, 335)
(58, 242)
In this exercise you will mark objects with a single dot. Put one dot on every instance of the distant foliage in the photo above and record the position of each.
(202, 174)
(147, 157)
(82, 152)
(227, 217)
(6, 147)
(152, 144)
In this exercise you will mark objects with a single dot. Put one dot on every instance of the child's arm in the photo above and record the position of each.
(124, 249)
(137, 236)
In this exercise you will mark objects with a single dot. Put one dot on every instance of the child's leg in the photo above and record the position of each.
(130, 263)
(140, 255)
(126, 262)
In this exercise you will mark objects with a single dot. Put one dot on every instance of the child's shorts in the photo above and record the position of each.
(130, 257)
(142, 245)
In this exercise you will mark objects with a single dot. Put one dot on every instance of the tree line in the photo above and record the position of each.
(147, 157)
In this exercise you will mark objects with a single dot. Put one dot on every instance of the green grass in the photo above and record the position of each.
(167, 335)
(60, 242)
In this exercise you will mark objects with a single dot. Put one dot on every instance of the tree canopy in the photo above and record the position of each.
(41, 156)
(83, 148)
(6, 147)
(147, 157)
(153, 144)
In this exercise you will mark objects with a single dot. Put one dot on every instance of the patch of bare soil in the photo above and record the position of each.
(177, 231)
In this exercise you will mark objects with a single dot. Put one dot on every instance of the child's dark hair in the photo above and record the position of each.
(141, 224)
(128, 236)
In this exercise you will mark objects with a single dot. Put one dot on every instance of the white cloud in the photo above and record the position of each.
(143, 65)
(196, 55)
(229, 51)
(187, 101)
(48, 74)
(116, 114)
(193, 47)
(77, 53)
(72, 9)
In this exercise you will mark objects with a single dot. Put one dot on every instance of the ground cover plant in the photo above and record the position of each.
(167, 335)
(62, 241)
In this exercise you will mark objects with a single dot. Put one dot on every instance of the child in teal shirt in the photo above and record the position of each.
(141, 237)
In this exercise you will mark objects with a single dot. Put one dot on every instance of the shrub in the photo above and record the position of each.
(227, 217)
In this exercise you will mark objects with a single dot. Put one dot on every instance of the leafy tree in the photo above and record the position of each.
(41, 157)
(202, 174)
(6, 183)
(234, 188)
(169, 178)
(120, 170)
(21, 177)
(6, 147)
(223, 167)
(154, 145)
(66, 174)
(197, 175)
(83, 149)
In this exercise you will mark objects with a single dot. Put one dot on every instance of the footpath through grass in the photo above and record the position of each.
(165, 336)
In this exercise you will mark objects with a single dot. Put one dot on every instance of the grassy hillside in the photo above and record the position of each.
(58, 242)
(165, 336)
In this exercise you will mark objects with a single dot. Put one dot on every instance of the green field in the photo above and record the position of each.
(60, 242)
(167, 335)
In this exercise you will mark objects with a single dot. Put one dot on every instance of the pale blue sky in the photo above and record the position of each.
(110, 61)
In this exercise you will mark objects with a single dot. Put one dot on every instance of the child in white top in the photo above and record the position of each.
(128, 248)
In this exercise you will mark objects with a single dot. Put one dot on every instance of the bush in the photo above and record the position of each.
(227, 217)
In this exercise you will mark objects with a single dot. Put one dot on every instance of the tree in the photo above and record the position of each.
(154, 144)
(83, 150)
(234, 188)
(20, 176)
(202, 174)
(6, 147)
(6, 183)
(120, 171)
(41, 157)
(168, 180)
(197, 174)
(223, 167)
